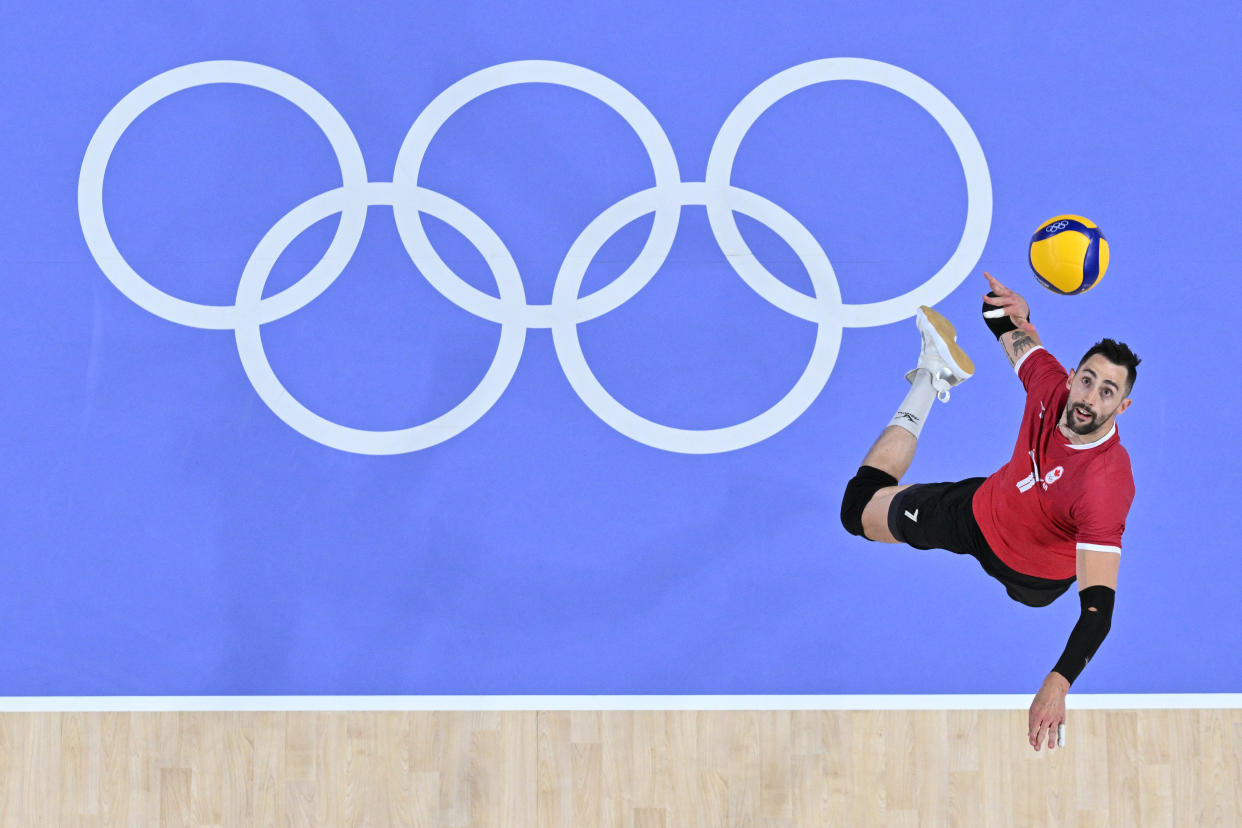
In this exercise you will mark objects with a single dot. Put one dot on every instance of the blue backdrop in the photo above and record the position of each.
(195, 497)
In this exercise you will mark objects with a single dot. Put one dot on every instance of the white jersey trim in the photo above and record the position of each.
(1018, 365)
(1104, 439)
(1096, 547)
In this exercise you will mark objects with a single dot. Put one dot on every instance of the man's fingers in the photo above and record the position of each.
(1046, 728)
(997, 287)
(1052, 730)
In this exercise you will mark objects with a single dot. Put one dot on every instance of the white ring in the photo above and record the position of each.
(974, 165)
(363, 441)
(826, 313)
(631, 110)
(104, 141)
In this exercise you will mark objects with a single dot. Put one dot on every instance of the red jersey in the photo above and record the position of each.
(1054, 497)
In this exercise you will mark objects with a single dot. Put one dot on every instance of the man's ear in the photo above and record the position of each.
(1124, 405)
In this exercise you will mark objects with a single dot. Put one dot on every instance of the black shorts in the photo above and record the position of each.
(940, 516)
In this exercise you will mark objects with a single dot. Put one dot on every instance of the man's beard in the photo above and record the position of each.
(1078, 426)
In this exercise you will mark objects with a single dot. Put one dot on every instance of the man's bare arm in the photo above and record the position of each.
(1097, 570)
(1018, 343)
(1005, 302)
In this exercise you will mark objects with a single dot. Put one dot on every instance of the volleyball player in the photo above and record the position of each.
(1054, 514)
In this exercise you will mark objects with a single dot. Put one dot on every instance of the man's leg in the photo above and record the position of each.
(892, 454)
(942, 365)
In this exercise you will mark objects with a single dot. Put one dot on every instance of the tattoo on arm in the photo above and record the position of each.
(1021, 343)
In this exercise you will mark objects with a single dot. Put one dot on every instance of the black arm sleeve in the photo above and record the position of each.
(1093, 625)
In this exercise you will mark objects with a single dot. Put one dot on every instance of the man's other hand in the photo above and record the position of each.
(1047, 711)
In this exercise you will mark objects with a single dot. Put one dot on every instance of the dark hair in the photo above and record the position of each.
(1118, 353)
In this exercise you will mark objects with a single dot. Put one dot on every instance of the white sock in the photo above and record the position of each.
(917, 404)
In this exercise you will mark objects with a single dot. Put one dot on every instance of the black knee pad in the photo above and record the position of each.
(858, 493)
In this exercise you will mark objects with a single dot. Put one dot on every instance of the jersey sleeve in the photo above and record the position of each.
(1100, 513)
(1037, 369)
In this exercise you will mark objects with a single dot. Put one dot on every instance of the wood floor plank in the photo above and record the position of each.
(176, 800)
(266, 735)
(744, 773)
(1123, 763)
(555, 804)
(520, 758)
(617, 770)
(775, 746)
(453, 739)
(485, 784)
(113, 764)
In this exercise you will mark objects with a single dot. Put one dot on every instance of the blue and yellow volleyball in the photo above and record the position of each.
(1069, 254)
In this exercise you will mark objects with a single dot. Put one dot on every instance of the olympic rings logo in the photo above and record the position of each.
(251, 310)
(1053, 229)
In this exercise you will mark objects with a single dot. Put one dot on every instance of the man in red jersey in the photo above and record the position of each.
(1053, 514)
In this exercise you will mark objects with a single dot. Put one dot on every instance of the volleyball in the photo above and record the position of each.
(1069, 254)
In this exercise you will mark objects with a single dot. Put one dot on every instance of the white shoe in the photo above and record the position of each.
(942, 357)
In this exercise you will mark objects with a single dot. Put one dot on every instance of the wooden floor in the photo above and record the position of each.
(615, 769)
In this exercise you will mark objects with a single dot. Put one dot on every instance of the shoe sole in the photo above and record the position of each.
(945, 334)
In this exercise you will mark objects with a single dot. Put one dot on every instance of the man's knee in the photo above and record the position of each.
(858, 493)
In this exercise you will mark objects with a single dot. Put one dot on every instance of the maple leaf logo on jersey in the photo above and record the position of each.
(1053, 476)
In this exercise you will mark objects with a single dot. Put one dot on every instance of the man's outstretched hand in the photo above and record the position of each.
(1047, 712)
(1012, 303)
